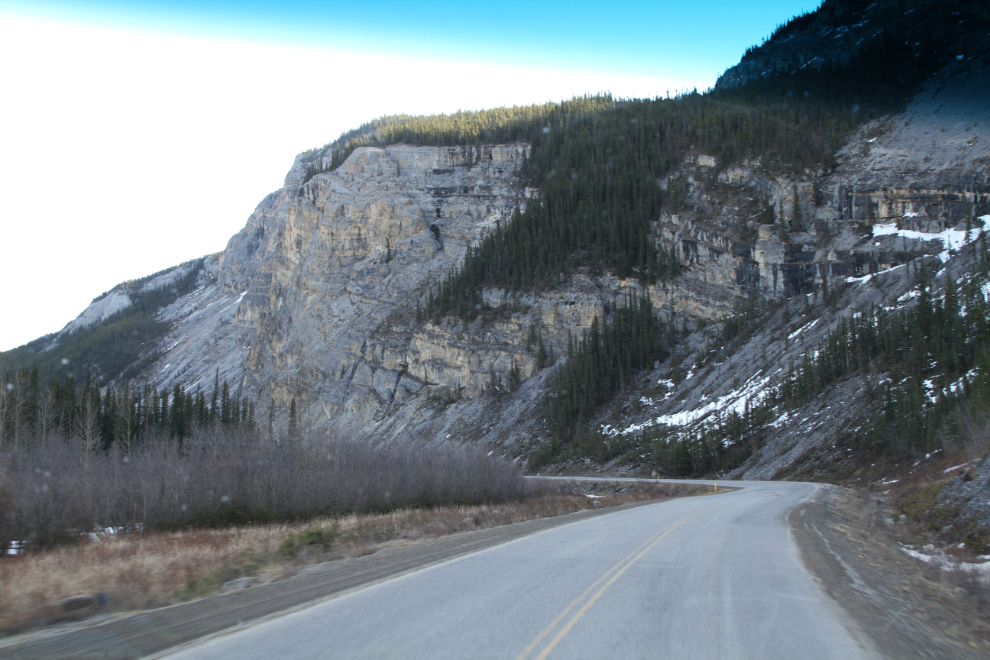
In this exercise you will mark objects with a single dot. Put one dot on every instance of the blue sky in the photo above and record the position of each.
(697, 37)
(135, 136)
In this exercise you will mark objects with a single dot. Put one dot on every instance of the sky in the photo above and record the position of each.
(138, 135)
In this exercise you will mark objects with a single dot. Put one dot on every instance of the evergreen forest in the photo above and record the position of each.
(123, 418)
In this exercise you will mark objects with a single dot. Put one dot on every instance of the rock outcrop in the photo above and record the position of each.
(316, 298)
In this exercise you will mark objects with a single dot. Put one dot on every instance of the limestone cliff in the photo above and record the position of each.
(316, 298)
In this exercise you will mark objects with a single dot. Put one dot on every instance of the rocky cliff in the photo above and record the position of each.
(316, 299)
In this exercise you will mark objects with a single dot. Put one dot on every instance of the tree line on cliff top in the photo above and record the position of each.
(598, 163)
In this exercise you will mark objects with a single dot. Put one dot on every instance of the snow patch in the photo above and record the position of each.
(751, 392)
(236, 302)
(780, 421)
(802, 329)
(866, 278)
(952, 239)
(932, 555)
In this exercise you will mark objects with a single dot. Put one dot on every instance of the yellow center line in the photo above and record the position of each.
(553, 624)
(615, 571)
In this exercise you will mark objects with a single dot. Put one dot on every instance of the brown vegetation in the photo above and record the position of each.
(138, 570)
(59, 490)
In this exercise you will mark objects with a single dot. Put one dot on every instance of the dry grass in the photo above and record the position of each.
(142, 570)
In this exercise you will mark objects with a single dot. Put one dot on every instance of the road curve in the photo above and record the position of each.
(699, 577)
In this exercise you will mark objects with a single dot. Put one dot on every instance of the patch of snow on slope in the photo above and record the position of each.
(802, 329)
(780, 421)
(751, 392)
(956, 386)
(952, 239)
(867, 278)
(931, 555)
(236, 302)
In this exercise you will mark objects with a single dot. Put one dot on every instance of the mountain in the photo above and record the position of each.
(889, 42)
(780, 277)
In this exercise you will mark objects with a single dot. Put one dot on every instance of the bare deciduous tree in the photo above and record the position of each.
(222, 476)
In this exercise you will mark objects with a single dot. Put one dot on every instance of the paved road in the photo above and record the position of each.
(703, 577)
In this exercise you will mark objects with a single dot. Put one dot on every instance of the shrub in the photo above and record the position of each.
(311, 537)
(228, 477)
(922, 507)
(6, 510)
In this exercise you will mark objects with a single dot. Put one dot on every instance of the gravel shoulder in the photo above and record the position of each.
(906, 611)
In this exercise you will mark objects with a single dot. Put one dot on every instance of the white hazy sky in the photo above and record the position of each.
(124, 152)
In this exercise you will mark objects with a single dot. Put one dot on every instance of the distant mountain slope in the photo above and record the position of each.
(896, 43)
(116, 336)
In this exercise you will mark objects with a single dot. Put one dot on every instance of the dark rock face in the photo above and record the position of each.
(840, 30)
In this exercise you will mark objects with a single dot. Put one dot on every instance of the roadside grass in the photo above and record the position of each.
(141, 570)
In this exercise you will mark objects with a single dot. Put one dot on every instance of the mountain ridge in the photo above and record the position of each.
(323, 300)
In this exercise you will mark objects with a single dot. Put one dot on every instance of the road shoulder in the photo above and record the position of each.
(846, 546)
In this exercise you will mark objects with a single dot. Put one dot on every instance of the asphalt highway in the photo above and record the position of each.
(698, 577)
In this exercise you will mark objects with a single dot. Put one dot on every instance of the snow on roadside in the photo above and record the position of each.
(936, 557)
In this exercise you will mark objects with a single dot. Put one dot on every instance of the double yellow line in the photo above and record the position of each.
(609, 578)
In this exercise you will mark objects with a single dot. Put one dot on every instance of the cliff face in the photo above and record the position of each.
(333, 271)
(316, 298)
